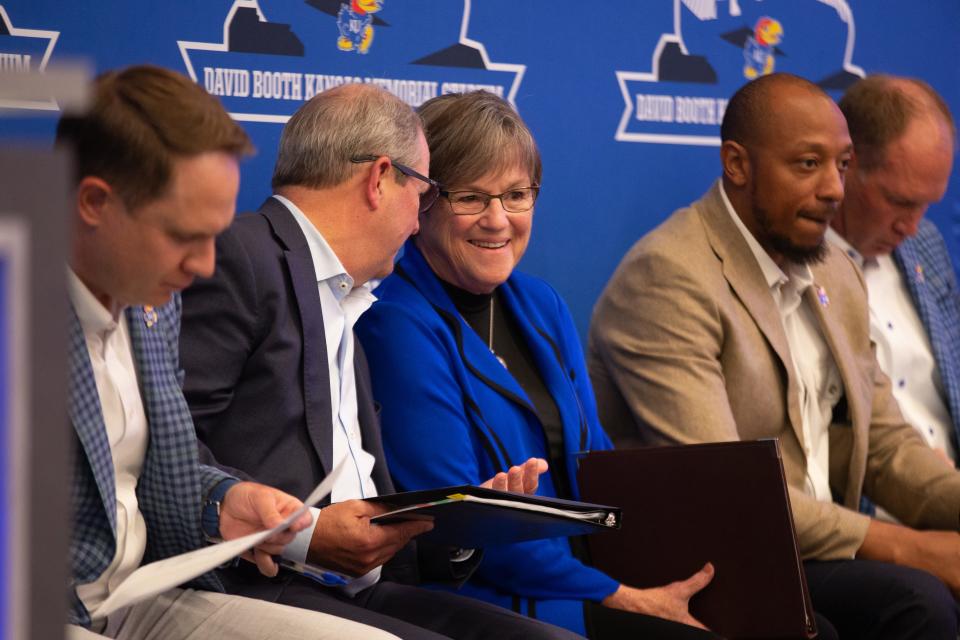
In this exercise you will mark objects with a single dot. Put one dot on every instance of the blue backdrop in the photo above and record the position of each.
(624, 98)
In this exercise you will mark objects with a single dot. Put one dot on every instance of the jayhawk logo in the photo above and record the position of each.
(355, 24)
(759, 49)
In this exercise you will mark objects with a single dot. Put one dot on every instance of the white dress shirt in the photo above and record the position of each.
(819, 378)
(342, 304)
(111, 358)
(903, 348)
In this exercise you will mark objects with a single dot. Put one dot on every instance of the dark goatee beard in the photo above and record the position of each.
(795, 254)
(782, 245)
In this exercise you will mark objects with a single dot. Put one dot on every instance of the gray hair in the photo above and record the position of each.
(339, 124)
(473, 134)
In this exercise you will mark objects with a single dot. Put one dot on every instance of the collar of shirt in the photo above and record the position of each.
(94, 317)
(326, 264)
(788, 288)
(841, 243)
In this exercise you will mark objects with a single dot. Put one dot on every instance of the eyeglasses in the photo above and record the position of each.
(427, 198)
(469, 203)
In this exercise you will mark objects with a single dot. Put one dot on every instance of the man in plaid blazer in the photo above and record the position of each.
(157, 179)
(929, 274)
(904, 137)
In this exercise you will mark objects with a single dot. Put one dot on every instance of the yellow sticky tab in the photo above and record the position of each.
(456, 496)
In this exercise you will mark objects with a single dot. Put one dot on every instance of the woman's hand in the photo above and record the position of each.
(522, 478)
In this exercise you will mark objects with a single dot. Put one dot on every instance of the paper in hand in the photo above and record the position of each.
(157, 577)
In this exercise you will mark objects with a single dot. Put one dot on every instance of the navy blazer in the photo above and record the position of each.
(932, 282)
(452, 414)
(255, 357)
(172, 483)
(258, 385)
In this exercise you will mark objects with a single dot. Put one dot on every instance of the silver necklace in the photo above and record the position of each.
(490, 337)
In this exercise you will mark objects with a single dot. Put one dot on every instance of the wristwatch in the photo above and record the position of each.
(210, 516)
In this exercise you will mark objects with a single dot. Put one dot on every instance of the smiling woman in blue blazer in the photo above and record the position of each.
(479, 368)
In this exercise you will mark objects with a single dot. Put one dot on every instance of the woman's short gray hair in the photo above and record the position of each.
(339, 124)
(474, 134)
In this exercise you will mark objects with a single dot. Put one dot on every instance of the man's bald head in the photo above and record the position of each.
(753, 108)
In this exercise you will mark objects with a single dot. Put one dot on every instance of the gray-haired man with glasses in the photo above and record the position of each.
(279, 387)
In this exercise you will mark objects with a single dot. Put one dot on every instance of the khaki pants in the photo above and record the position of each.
(185, 614)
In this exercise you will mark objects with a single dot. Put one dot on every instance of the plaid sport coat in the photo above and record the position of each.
(926, 267)
(172, 483)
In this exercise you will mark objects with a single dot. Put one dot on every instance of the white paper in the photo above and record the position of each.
(598, 517)
(602, 516)
(157, 577)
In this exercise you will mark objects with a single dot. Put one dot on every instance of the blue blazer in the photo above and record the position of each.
(172, 483)
(453, 415)
(926, 267)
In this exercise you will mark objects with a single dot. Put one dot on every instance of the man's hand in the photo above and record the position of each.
(344, 539)
(671, 602)
(936, 552)
(248, 508)
(523, 478)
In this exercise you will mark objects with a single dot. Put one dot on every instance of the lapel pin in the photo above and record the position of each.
(149, 316)
(918, 269)
(823, 297)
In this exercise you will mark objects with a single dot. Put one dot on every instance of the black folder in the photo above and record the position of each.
(470, 517)
(726, 503)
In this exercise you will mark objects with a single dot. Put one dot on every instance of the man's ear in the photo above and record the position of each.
(94, 196)
(736, 162)
(373, 185)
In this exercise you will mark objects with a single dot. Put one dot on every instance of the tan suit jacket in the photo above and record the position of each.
(687, 345)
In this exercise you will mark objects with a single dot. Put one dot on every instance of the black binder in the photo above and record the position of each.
(726, 503)
(464, 516)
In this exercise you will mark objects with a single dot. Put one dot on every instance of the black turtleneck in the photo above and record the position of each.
(508, 343)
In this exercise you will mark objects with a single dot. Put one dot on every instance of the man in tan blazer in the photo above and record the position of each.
(735, 320)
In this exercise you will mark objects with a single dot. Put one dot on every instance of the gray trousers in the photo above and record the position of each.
(185, 614)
